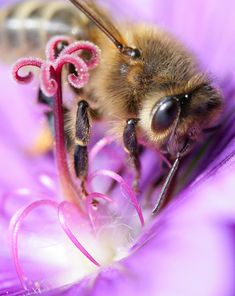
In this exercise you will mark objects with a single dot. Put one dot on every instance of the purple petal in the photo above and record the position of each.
(189, 248)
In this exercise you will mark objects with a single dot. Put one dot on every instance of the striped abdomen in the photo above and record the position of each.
(26, 27)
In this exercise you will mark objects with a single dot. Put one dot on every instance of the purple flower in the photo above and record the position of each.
(188, 249)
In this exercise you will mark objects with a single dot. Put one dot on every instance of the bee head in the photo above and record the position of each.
(176, 120)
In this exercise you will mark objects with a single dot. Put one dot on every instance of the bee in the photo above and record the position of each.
(148, 85)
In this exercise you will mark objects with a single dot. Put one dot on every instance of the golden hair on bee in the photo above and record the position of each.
(148, 85)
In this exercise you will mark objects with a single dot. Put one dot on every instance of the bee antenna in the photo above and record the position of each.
(98, 23)
(126, 50)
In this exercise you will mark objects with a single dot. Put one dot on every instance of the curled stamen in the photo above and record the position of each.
(123, 185)
(15, 225)
(24, 62)
(61, 215)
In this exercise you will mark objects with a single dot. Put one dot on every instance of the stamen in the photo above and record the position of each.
(69, 189)
(62, 220)
(14, 228)
(126, 188)
(16, 224)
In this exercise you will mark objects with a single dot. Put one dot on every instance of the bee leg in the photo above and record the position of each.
(82, 136)
(132, 147)
(113, 184)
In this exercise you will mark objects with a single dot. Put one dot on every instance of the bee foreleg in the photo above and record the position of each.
(132, 147)
(82, 136)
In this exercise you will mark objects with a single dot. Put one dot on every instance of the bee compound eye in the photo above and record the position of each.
(165, 114)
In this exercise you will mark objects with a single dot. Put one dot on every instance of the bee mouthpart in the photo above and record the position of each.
(180, 145)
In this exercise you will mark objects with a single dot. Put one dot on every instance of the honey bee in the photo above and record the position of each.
(148, 85)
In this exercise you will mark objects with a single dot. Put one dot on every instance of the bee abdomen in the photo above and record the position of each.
(26, 27)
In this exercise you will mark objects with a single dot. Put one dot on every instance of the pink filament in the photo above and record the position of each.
(94, 196)
(66, 180)
(15, 226)
(23, 63)
(123, 185)
(71, 236)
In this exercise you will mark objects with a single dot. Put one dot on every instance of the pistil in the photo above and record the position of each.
(70, 191)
